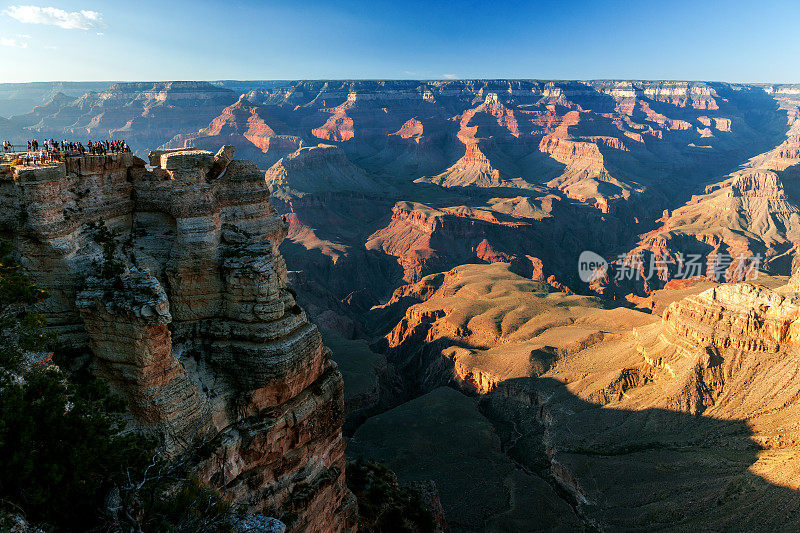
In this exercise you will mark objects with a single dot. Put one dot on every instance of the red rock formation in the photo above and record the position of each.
(412, 128)
(249, 128)
(338, 127)
(569, 152)
(748, 220)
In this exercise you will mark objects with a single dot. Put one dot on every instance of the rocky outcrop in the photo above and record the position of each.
(318, 169)
(473, 169)
(171, 277)
(632, 426)
(718, 371)
(614, 154)
(739, 317)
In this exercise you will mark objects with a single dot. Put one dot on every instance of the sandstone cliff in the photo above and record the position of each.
(172, 279)
(251, 128)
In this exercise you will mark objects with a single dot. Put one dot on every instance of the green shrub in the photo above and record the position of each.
(110, 268)
(188, 506)
(59, 449)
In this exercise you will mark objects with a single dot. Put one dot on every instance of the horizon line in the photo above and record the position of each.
(294, 80)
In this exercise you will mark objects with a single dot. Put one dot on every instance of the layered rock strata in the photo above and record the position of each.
(171, 277)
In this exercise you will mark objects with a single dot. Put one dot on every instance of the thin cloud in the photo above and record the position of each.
(449, 76)
(23, 36)
(52, 16)
(12, 43)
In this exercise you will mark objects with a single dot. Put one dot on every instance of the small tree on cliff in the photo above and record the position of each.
(110, 268)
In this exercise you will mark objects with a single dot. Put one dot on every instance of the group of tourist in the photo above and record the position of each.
(51, 150)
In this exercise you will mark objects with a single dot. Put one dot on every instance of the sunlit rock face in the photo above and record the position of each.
(195, 326)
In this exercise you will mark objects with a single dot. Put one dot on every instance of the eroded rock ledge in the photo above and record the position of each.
(195, 327)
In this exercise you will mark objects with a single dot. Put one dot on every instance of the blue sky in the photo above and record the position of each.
(245, 39)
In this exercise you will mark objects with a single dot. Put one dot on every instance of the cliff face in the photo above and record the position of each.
(426, 239)
(611, 155)
(480, 325)
(740, 316)
(184, 306)
(248, 127)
